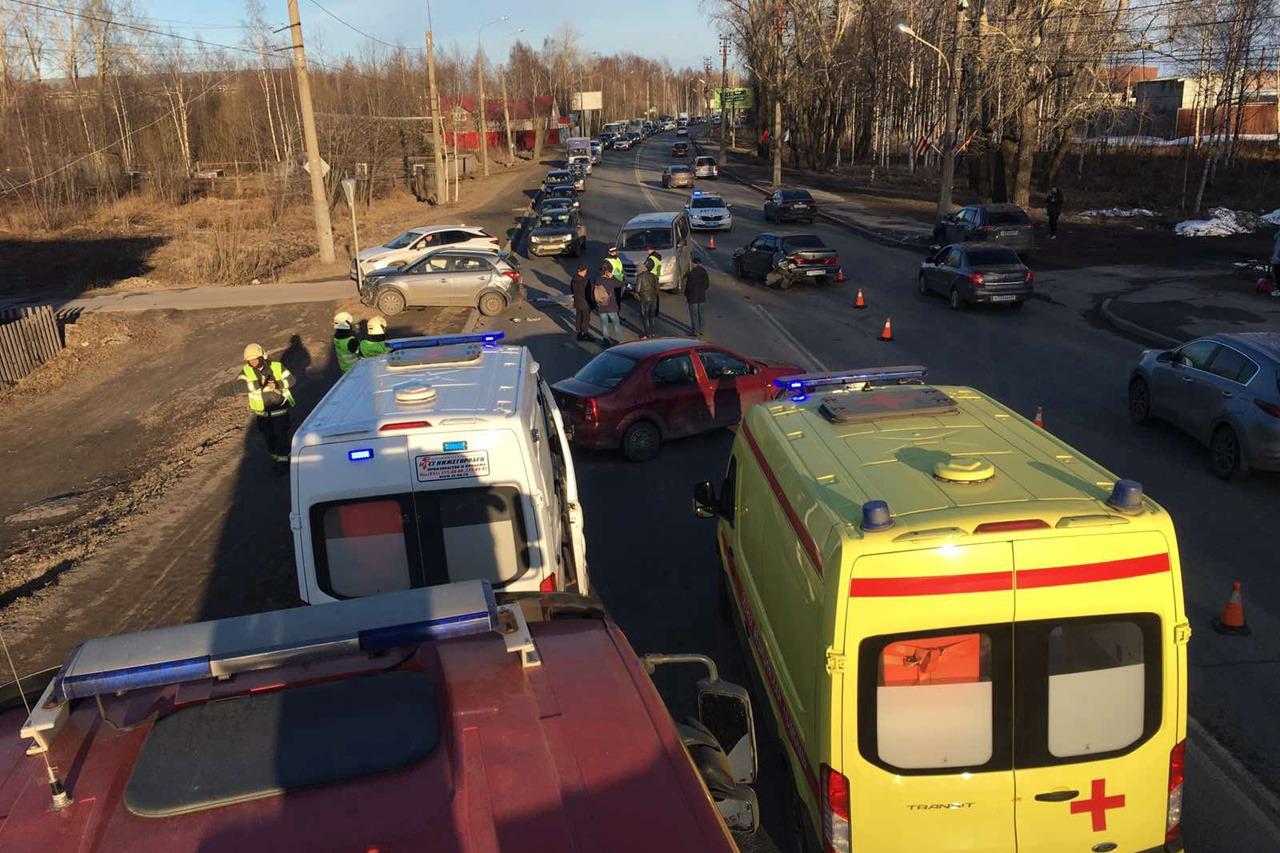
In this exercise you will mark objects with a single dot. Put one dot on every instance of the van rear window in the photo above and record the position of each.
(1096, 687)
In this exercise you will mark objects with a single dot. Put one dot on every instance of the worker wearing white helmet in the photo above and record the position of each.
(345, 344)
(375, 339)
(270, 398)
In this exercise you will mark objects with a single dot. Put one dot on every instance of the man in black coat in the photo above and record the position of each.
(580, 287)
(695, 293)
(1053, 207)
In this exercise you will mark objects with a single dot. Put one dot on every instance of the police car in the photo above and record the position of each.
(444, 460)
(708, 212)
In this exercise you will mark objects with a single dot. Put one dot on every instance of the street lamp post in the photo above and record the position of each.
(953, 98)
(480, 111)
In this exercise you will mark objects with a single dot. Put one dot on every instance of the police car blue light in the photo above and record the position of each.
(489, 339)
(360, 454)
(889, 375)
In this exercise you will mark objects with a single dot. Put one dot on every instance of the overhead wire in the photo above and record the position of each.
(361, 32)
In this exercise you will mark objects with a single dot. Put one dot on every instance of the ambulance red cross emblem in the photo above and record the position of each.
(1097, 804)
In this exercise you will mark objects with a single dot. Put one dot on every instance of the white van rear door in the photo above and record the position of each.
(573, 509)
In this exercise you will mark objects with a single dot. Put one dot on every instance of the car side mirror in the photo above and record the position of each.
(1165, 357)
(705, 502)
(724, 709)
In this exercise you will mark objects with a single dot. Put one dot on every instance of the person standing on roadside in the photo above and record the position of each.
(606, 299)
(375, 341)
(647, 298)
(653, 263)
(1053, 207)
(696, 285)
(270, 399)
(579, 286)
(345, 343)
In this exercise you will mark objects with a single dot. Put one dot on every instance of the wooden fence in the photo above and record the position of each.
(28, 338)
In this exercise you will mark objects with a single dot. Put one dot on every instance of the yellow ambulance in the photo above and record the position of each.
(972, 637)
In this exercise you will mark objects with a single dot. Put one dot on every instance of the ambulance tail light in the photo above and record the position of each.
(398, 425)
(835, 811)
(1173, 817)
(1010, 526)
(548, 583)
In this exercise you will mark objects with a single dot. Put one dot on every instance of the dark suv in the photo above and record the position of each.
(794, 205)
(1003, 224)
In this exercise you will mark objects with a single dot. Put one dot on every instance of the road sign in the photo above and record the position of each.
(324, 167)
(349, 190)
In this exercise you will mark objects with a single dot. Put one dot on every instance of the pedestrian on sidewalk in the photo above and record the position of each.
(346, 345)
(580, 287)
(270, 399)
(695, 293)
(606, 299)
(375, 339)
(647, 298)
(1053, 207)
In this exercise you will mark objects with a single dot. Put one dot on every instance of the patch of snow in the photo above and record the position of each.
(1222, 222)
(1120, 213)
(1272, 218)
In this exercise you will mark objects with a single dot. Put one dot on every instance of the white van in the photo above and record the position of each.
(445, 460)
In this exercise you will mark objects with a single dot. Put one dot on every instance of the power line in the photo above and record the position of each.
(356, 29)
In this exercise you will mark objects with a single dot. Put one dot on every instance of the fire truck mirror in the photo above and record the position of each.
(724, 709)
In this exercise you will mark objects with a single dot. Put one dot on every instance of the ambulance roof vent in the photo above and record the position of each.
(415, 394)
(876, 404)
(968, 470)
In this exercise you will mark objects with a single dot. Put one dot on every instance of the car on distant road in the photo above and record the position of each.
(597, 150)
(708, 212)
(635, 396)
(781, 260)
(677, 175)
(548, 205)
(606, 140)
(557, 176)
(580, 161)
(569, 191)
(790, 205)
(635, 138)
(579, 173)
(1003, 224)
(446, 277)
(416, 242)
(622, 142)
(558, 232)
(680, 149)
(682, 131)
(704, 166)
(1223, 390)
(975, 274)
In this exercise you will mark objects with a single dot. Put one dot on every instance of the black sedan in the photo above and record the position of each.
(976, 274)
(1003, 224)
(790, 205)
(568, 191)
(781, 260)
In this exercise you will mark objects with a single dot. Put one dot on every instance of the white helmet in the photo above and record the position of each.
(343, 320)
(253, 351)
(377, 326)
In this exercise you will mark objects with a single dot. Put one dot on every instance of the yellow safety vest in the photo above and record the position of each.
(283, 380)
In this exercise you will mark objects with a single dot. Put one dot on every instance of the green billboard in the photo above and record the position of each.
(734, 98)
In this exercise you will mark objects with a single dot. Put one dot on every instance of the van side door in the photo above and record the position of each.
(684, 250)
(1101, 692)
(572, 525)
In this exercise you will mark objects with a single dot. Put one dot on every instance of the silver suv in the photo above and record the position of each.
(446, 277)
(1223, 390)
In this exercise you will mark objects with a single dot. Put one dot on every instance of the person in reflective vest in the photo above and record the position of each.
(270, 399)
(375, 342)
(615, 264)
(654, 263)
(345, 344)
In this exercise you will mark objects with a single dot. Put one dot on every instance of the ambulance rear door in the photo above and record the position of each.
(1097, 695)
(928, 716)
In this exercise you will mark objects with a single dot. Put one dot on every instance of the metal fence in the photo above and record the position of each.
(28, 338)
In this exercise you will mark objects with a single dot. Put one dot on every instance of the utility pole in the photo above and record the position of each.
(780, 25)
(319, 203)
(437, 122)
(953, 98)
(724, 86)
(480, 111)
(506, 119)
(706, 76)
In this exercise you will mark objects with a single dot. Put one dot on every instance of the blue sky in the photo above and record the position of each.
(676, 30)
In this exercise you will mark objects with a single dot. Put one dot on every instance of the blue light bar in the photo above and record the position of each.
(381, 639)
(135, 677)
(885, 375)
(360, 455)
(486, 338)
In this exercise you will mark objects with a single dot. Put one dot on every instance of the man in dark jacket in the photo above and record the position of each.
(695, 293)
(580, 287)
(606, 299)
(647, 298)
(1053, 207)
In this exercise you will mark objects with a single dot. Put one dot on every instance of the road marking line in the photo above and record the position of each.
(814, 362)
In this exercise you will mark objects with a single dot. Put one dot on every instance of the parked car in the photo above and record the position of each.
(558, 232)
(637, 395)
(705, 166)
(446, 277)
(1004, 224)
(416, 242)
(708, 212)
(555, 177)
(680, 149)
(677, 176)
(569, 191)
(781, 260)
(622, 142)
(790, 205)
(1223, 390)
(682, 131)
(976, 274)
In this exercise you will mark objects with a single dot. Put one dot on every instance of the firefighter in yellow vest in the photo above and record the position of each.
(375, 342)
(346, 345)
(270, 399)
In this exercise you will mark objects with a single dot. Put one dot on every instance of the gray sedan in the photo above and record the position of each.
(974, 274)
(1223, 390)
(446, 277)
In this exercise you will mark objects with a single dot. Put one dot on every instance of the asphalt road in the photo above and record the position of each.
(656, 565)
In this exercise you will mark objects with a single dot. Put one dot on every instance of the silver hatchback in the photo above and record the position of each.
(1223, 390)
(446, 277)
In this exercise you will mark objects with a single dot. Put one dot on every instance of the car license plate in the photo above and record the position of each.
(1008, 233)
(816, 272)
(1009, 298)
(800, 205)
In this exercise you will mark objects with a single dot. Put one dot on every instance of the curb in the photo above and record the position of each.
(1133, 328)
(1256, 797)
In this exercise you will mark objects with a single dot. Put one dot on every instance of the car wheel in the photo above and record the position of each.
(1139, 400)
(1225, 454)
(640, 441)
(390, 302)
(922, 286)
(784, 282)
(957, 303)
(492, 304)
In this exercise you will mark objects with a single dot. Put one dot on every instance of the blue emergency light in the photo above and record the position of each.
(807, 382)
(360, 454)
(489, 339)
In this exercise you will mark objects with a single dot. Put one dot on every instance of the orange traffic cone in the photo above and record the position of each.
(886, 334)
(840, 276)
(711, 244)
(1039, 419)
(1232, 619)
(860, 301)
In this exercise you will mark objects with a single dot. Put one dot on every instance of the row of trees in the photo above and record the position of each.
(868, 80)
